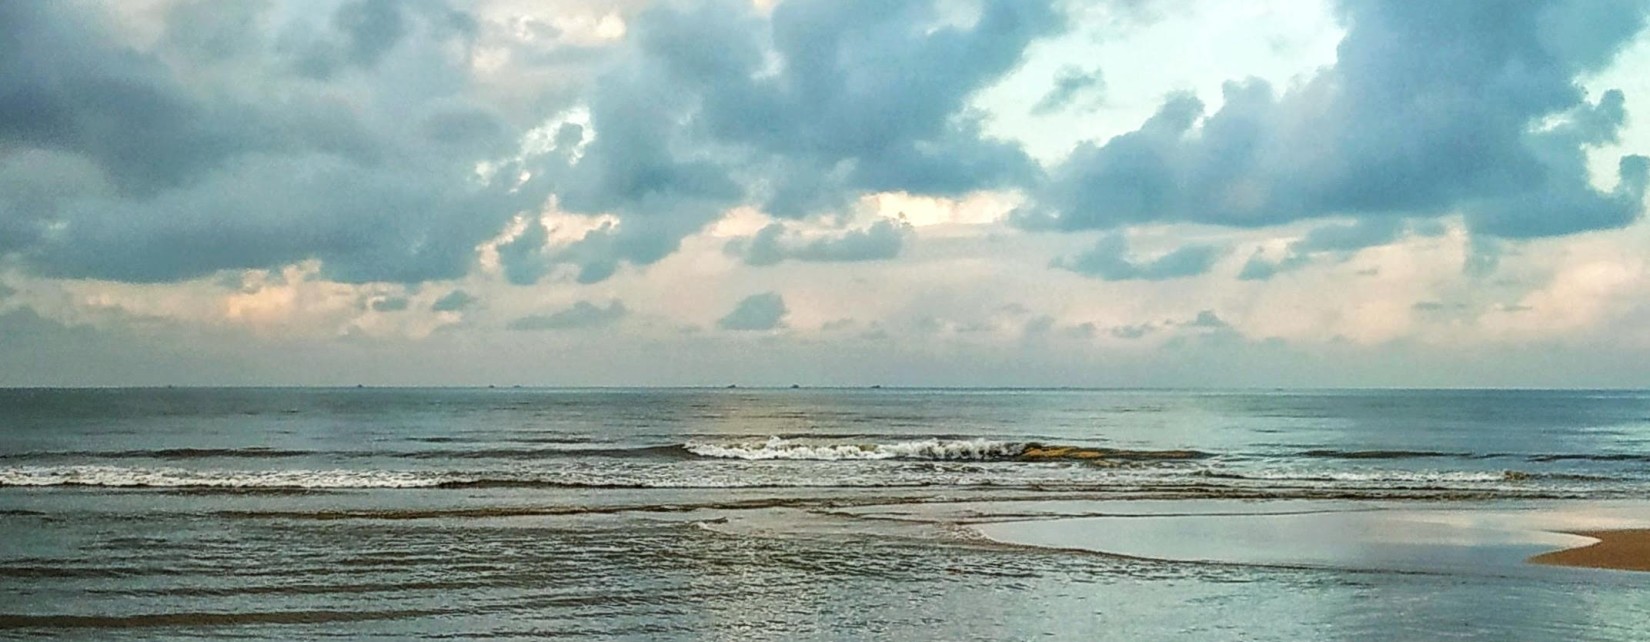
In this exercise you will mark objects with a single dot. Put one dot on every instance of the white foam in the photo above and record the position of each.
(124, 477)
(935, 449)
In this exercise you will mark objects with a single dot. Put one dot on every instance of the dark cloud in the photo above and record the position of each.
(1339, 240)
(879, 241)
(971, 327)
(362, 32)
(1109, 260)
(390, 304)
(64, 87)
(453, 302)
(800, 113)
(1430, 109)
(764, 311)
(1430, 307)
(1085, 330)
(1135, 331)
(581, 315)
(522, 257)
(206, 153)
(1205, 329)
(1069, 86)
(247, 137)
(838, 325)
(1260, 268)
(1038, 326)
(1209, 320)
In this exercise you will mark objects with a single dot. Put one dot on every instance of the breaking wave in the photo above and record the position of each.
(924, 449)
(778, 448)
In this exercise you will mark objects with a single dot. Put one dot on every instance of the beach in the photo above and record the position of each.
(1627, 550)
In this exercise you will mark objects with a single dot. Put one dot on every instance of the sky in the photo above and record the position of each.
(1276, 193)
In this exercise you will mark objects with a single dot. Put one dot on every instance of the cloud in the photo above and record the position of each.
(390, 304)
(1109, 260)
(581, 315)
(1207, 319)
(522, 258)
(798, 112)
(224, 145)
(453, 302)
(1206, 328)
(879, 241)
(1071, 84)
(1085, 330)
(1038, 326)
(1473, 108)
(1134, 331)
(363, 134)
(1260, 268)
(764, 311)
(1342, 240)
(1438, 306)
(362, 33)
(838, 325)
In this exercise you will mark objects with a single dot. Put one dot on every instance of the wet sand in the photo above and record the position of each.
(1625, 550)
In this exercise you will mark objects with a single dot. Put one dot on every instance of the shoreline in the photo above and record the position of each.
(1620, 550)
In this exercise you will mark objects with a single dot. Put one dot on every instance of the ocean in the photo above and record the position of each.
(812, 514)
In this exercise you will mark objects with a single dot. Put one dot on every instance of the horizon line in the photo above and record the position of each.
(789, 387)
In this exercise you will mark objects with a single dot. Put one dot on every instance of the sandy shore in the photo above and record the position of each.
(1627, 550)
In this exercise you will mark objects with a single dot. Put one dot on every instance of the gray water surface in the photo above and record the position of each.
(626, 514)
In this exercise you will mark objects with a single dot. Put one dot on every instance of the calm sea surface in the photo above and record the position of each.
(753, 514)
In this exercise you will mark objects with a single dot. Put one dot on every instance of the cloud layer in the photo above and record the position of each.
(394, 183)
(1428, 111)
(367, 136)
(226, 145)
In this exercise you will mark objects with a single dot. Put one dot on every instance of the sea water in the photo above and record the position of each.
(841, 514)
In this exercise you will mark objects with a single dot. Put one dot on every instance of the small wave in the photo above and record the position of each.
(169, 453)
(638, 452)
(1385, 454)
(924, 449)
(264, 481)
(1400, 477)
(597, 450)
(1633, 457)
(12, 621)
(123, 477)
(1434, 454)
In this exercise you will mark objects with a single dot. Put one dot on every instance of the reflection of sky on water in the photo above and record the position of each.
(1455, 539)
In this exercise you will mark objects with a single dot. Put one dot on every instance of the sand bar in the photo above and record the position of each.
(1625, 550)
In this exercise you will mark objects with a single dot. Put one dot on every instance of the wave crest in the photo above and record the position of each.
(924, 449)
(930, 449)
